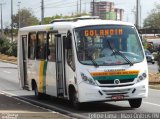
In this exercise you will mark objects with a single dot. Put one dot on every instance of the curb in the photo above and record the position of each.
(46, 106)
(6, 61)
(24, 101)
(54, 108)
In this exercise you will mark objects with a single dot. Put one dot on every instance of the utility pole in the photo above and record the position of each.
(140, 16)
(1, 5)
(77, 8)
(12, 20)
(137, 13)
(1, 20)
(85, 7)
(80, 6)
(134, 13)
(42, 11)
(19, 15)
(93, 14)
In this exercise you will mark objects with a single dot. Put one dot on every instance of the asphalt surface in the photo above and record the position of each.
(9, 85)
(11, 106)
(153, 68)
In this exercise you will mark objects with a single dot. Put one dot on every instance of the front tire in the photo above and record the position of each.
(135, 103)
(74, 100)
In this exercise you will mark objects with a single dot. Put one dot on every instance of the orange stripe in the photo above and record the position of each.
(113, 73)
(41, 76)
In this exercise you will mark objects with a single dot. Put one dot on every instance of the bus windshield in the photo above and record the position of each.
(108, 45)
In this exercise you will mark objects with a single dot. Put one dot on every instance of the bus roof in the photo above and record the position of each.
(73, 24)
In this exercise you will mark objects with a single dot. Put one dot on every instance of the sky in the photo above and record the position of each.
(67, 7)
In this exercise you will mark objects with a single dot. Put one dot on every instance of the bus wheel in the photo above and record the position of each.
(36, 92)
(135, 103)
(74, 100)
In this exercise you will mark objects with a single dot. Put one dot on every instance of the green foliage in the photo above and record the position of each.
(153, 19)
(26, 18)
(12, 51)
(7, 47)
(47, 20)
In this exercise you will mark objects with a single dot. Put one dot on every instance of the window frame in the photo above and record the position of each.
(37, 43)
(48, 33)
(29, 41)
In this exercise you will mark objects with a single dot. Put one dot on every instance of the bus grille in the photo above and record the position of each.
(112, 81)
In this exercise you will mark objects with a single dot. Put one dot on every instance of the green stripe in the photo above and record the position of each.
(120, 77)
(44, 76)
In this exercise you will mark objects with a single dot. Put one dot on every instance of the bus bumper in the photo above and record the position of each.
(91, 93)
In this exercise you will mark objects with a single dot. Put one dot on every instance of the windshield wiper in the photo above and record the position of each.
(121, 54)
(93, 61)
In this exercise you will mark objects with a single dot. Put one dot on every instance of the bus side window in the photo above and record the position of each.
(51, 56)
(32, 46)
(70, 53)
(41, 45)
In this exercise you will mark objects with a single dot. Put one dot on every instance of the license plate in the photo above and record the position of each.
(117, 97)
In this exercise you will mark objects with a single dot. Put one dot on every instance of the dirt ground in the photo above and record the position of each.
(154, 78)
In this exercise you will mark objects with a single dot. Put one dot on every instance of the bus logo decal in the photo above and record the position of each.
(117, 81)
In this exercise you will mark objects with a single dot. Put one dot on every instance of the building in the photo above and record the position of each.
(107, 10)
(119, 14)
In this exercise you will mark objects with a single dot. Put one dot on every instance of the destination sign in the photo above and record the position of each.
(103, 32)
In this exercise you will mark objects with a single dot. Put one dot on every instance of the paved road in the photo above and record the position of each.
(152, 68)
(11, 107)
(9, 85)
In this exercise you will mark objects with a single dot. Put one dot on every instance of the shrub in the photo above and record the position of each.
(7, 47)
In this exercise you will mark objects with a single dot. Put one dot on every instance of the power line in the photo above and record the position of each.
(57, 4)
(69, 5)
(60, 4)
(54, 2)
(42, 9)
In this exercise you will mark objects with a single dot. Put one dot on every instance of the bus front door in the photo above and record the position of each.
(60, 66)
(24, 62)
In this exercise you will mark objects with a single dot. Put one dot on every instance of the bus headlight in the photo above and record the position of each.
(88, 80)
(141, 77)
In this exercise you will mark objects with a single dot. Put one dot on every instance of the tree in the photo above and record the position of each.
(153, 19)
(26, 18)
(47, 20)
